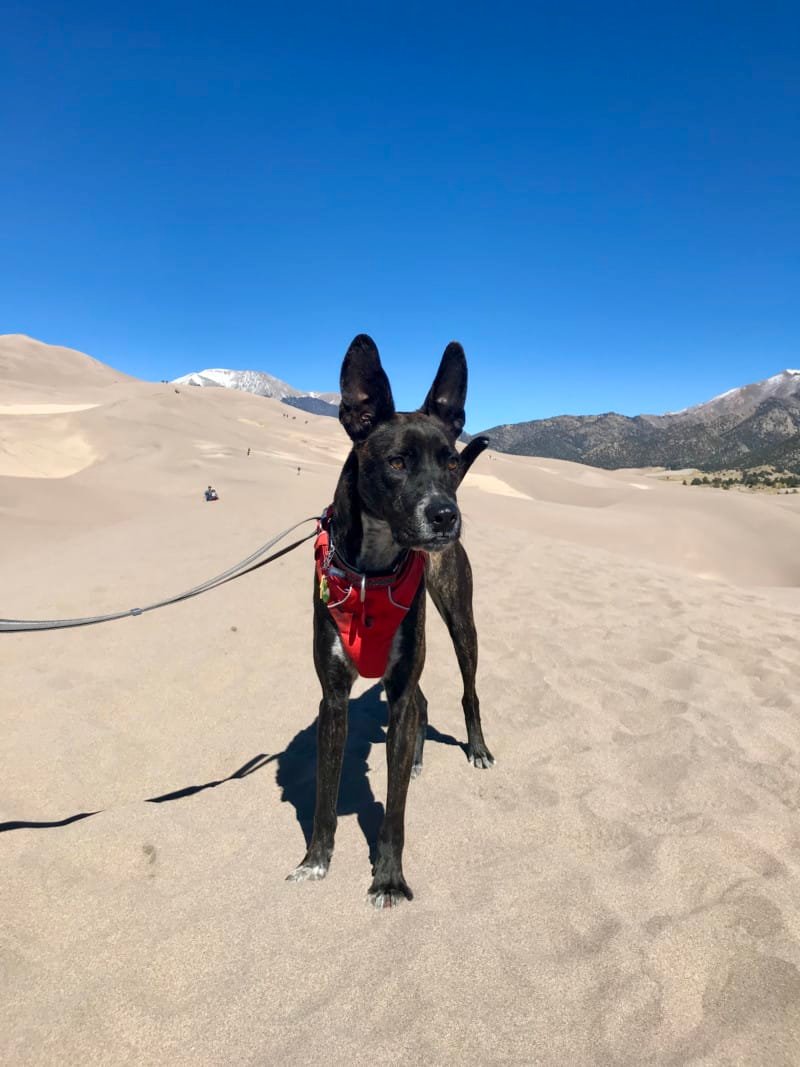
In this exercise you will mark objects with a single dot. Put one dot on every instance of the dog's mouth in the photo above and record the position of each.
(432, 531)
(436, 542)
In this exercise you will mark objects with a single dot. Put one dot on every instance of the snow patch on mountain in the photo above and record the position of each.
(259, 383)
(779, 386)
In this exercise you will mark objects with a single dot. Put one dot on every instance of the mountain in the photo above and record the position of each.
(315, 405)
(744, 427)
(262, 384)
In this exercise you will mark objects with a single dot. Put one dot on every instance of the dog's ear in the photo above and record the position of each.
(366, 393)
(448, 393)
(469, 454)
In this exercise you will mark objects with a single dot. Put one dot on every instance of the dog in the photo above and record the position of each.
(394, 512)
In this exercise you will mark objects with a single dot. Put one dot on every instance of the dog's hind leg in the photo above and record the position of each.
(449, 582)
(336, 676)
(422, 730)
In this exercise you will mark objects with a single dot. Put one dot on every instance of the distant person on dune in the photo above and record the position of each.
(211, 493)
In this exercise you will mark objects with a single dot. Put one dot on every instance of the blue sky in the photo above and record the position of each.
(600, 201)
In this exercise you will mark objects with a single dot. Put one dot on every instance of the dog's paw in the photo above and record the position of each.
(307, 872)
(389, 895)
(480, 757)
(416, 770)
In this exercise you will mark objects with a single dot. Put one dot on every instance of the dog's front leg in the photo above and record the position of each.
(389, 887)
(336, 676)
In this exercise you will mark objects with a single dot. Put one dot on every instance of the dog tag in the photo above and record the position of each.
(324, 591)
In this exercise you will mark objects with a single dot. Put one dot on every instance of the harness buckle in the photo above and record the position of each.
(363, 588)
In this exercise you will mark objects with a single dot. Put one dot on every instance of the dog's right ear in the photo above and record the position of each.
(366, 393)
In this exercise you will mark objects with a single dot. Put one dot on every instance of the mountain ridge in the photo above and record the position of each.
(750, 425)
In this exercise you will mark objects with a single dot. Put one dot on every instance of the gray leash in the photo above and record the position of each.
(244, 567)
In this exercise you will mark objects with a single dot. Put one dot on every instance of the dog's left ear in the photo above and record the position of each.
(468, 455)
(366, 393)
(448, 393)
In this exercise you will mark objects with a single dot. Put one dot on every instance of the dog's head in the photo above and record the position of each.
(408, 465)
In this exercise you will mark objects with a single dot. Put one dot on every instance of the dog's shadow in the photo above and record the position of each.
(297, 771)
(297, 767)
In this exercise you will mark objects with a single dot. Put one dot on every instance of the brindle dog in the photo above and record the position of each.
(397, 491)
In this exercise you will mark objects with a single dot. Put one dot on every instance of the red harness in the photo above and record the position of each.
(366, 610)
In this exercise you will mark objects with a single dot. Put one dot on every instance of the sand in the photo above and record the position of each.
(622, 888)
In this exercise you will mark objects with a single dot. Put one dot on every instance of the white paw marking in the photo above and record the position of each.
(481, 762)
(307, 874)
(386, 900)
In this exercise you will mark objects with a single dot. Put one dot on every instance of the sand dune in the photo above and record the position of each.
(35, 368)
(489, 484)
(42, 409)
(622, 888)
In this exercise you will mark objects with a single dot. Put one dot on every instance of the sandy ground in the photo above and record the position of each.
(622, 888)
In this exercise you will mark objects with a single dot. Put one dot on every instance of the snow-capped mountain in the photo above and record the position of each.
(746, 398)
(744, 427)
(262, 384)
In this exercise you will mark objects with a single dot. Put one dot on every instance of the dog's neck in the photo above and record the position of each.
(379, 550)
(365, 542)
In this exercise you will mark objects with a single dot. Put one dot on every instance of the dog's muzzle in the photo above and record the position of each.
(440, 523)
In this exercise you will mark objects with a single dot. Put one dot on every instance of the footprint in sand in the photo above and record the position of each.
(150, 855)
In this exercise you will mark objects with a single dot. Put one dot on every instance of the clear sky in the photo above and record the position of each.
(601, 201)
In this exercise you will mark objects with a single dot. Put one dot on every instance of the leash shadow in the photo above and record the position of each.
(296, 774)
(254, 764)
(297, 768)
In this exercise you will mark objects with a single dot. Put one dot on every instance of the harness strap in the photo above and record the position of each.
(367, 609)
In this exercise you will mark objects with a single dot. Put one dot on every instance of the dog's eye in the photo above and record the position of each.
(452, 463)
(397, 463)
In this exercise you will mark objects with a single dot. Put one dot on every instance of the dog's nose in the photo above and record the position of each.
(442, 516)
